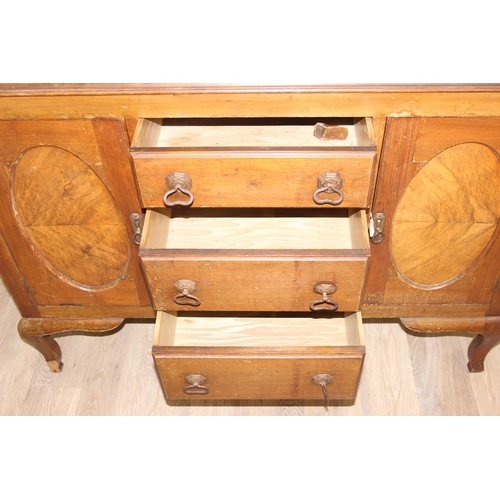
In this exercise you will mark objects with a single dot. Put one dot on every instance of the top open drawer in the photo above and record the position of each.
(313, 162)
(255, 133)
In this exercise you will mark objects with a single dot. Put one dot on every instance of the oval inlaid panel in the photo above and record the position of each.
(447, 216)
(70, 217)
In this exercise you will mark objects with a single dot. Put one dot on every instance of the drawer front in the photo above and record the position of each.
(258, 373)
(256, 180)
(259, 357)
(254, 281)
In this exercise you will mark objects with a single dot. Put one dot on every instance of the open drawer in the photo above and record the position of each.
(254, 260)
(259, 356)
(313, 162)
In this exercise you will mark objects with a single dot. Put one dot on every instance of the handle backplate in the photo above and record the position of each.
(186, 297)
(178, 182)
(195, 385)
(323, 379)
(329, 183)
(324, 288)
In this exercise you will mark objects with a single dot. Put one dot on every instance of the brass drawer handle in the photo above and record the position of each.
(195, 385)
(324, 288)
(323, 379)
(186, 289)
(178, 182)
(330, 182)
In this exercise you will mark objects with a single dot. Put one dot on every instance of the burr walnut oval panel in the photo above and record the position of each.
(447, 216)
(69, 217)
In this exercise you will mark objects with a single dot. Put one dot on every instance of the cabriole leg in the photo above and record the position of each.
(482, 344)
(487, 330)
(37, 333)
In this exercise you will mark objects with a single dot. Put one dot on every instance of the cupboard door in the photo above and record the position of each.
(438, 187)
(67, 194)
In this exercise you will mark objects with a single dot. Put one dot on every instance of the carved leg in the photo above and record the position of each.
(487, 330)
(482, 344)
(37, 333)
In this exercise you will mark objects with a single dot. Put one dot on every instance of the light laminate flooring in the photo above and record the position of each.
(114, 374)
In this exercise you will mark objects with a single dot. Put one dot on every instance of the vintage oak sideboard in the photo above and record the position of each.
(259, 225)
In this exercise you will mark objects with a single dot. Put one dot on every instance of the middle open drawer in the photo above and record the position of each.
(255, 260)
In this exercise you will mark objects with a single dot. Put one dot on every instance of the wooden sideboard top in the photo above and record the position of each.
(151, 88)
(52, 101)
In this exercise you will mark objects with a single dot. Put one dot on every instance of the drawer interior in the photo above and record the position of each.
(257, 330)
(255, 229)
(207, 133)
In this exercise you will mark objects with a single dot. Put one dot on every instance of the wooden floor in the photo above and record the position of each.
(403, 374)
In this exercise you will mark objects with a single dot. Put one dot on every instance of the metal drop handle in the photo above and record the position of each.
(186, 289)
(137, 222)
(324, 288)
(329, 183)
(323, 379)
(195, 385)
(178, 182)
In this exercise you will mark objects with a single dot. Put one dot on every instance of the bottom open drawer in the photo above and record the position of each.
(274, 356)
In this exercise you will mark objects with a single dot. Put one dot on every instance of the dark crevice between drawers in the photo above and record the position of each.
(261, 314)
(258, 212)
(258, 122)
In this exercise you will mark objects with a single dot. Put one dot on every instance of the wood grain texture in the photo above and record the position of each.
(494, 309)
(256, 330)
(435, 135)
(70, 217)
(262, 233)
(13, 279)
(254, 282)
(447, 215)
(259, 357)
(154, 88)
(120, 178)
(104, 311)
(147, 133)
(38, 332)
(115, 375)
(260, 179)
(131, 125)
(260, 373)
(76, 136)
(386, 293)
(249, 136)
(250, 278)
(111, 164)
(472, 293)
(392, 175)
(378, 129)
(178, 101)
